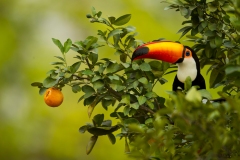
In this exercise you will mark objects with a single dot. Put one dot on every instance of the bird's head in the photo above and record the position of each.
(167, 51)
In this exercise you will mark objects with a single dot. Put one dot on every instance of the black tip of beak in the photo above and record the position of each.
(139, 52)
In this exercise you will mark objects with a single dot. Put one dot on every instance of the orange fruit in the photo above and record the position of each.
(53, 97)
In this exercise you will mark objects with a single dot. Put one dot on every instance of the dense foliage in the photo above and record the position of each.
(181, 127)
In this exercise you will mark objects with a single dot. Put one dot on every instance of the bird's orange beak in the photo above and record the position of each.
(167, 51)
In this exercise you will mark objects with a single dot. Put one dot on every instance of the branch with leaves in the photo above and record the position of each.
(181, 127)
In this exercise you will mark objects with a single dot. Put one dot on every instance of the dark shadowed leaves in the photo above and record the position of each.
(98, 119)
(91, 144)
(112, 138)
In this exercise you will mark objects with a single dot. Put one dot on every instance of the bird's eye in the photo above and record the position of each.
(187, 53)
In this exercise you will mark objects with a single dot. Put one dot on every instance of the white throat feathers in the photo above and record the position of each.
(187, 68)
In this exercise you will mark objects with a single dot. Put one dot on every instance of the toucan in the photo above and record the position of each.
(175, 53)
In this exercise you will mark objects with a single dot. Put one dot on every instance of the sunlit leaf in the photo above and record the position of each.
(141, 100)
(134, 105)
(125, 99)
(193, 95)
(143, 80)
(67, 45)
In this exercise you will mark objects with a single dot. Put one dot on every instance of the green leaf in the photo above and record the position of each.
(184, 30)
(135, 84)
(88, 90)
(209, 33)
(145, 67)
(125, 99)
(57, 63)
(122, 20)
(130, 121)
(87, 101)
(193, 95)
(91, 144)
(99, 14)
(98, 84)
(218, 41)
(67, 45)
(95, 78)
(176, 2)
(42, 90)
(208, 51)
(114, 32)
(106, 103)
(165, 66)
(228, 44)
(91, 41)
(59, 44)
(93, 57)
(125, 65)
(81, 98)
(232, 69)
(155, 65)
(75, 67)
(49, 82)
(113, 67)
(114, 77)
(76, 88)
(184, 11)
(204, 93)
(130, 28)
(87, 72)
(216, 77)
(94, 11)
(134, 105)
(212, 26)
(123, 58)
(83, 129)
(36, 84)
(112, 138)
(135, 66)
(211, 7)
(60, 58)
(143, 80)
(151, 95)
(187, 83)
(127, 148)
(98, 119)
(150, 104)
(126, 110)
(141, 100)
(111, 19)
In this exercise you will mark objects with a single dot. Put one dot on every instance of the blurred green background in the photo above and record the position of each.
(31, 130)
